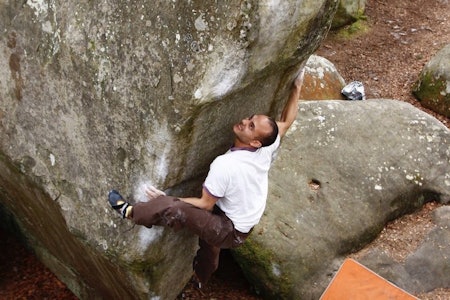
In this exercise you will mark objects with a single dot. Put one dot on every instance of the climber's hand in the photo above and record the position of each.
(153, 193)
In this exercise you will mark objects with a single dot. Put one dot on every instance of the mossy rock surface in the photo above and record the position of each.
(256, 258)
(432, 88)
(431, 91)
(348, 12)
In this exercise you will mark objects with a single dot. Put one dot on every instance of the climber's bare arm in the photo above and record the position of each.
(207, 201)
(289, 113)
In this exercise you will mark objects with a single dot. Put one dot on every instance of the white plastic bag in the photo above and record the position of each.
(354, 91)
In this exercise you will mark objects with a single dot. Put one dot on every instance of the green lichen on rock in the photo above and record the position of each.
(256, 259)
(346, 16)
(430, 90)
(149, 267)
(356, 28)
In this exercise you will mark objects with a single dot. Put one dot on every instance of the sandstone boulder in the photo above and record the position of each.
(429, 266)
(348, 11)
(106, 94)
(321, 80)
(425, 269)
(433, 87)
(344, 170)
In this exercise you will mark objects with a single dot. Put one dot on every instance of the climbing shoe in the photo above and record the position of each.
(116, 201)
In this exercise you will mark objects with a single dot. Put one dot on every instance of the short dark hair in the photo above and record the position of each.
(271, 137)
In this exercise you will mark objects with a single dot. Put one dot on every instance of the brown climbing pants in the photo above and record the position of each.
(214, 229)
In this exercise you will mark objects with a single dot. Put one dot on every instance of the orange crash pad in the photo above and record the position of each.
(353, 281)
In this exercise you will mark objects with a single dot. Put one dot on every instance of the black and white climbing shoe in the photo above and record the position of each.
(118, 203)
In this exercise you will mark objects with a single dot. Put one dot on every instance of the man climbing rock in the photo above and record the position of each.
(234, 192)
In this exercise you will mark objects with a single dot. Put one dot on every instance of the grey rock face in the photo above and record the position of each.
(96, 95)
(426, 268)
(429, 266)
(344, 169)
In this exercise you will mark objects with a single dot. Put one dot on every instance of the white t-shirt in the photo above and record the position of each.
(239, 178)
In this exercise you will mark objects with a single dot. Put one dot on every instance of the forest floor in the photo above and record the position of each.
(386, 52)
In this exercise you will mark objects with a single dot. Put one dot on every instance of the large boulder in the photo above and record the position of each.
(348, 12)
(321, 80)
(344, 170)
(429, 266)
(433, 86)
(101, 94)
(423, 270)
